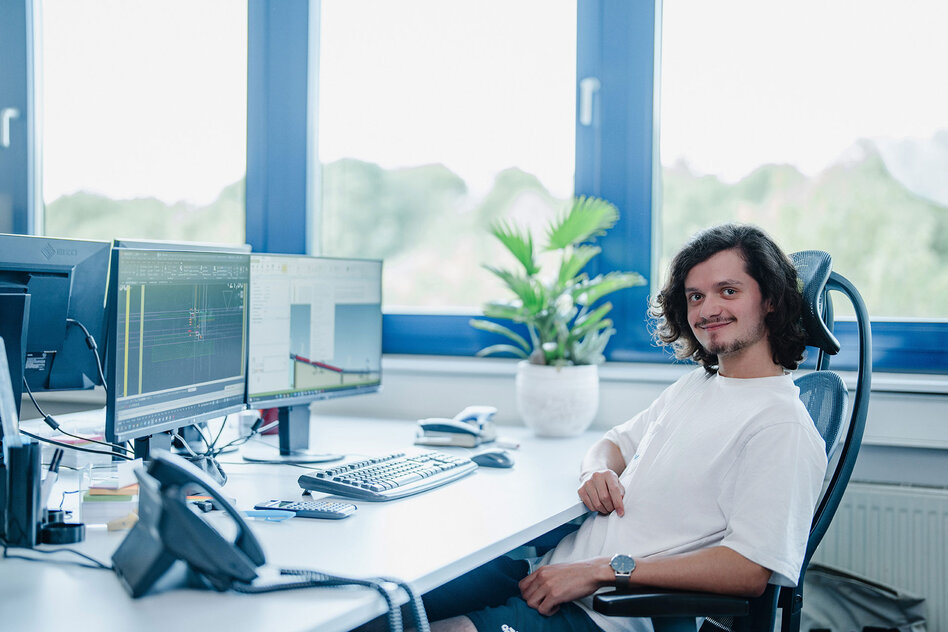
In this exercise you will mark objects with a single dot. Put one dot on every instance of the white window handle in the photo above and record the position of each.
(588, 87)
(6, 114)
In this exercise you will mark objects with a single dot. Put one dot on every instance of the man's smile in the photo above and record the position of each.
(713, 325)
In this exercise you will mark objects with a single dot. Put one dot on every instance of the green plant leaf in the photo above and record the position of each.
(496, 328)
(518, 242)
(574, 262)
(590, 349)
(590, 291)
(505, 311)
(528, 290)
(587, 218)
(590, 321)
(486, 351)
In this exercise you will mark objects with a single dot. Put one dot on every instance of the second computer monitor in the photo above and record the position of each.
(315, 333)
(177, 343)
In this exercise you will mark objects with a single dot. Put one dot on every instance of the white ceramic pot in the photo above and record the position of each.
(557, 401)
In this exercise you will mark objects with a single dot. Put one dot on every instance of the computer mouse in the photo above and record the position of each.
(493, 458)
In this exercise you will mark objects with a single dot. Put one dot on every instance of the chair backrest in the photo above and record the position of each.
(825, 396)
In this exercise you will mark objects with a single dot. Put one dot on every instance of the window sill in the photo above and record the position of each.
(650, 373)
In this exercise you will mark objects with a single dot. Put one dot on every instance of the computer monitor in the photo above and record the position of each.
(50, 289)
(315, 333)
(177, 347)
(194, 246)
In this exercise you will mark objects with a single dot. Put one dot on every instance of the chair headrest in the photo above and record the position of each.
(813, 271)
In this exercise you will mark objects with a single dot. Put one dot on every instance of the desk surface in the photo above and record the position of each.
(426, 540)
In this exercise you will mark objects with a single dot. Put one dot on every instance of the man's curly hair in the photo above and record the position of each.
(765, 262)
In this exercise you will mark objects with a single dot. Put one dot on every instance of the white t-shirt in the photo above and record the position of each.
(714, 461)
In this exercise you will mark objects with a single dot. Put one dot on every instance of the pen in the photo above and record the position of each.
(51, 477)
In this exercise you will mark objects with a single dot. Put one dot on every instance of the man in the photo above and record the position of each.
(712, 488)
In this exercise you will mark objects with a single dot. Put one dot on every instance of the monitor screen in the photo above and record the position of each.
(177, 346)
(315, 329)
(65, 282)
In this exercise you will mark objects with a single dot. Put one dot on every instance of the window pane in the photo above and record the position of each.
(826, 124)
(435, 118)
(144, 118)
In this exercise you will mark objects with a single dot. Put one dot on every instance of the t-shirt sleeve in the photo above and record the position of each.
(769, 497)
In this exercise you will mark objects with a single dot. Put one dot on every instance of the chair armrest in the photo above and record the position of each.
(661, 603)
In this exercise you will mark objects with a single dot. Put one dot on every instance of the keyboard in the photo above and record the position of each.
(390, 476)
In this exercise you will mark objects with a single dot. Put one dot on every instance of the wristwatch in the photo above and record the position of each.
(622, 565)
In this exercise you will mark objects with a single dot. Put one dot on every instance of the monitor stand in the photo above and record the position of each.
(294, 441)
(145, 446)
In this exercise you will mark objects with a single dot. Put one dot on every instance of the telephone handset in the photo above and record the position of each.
(169, 530)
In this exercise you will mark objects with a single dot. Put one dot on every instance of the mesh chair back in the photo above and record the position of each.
(814, 268)
(825, 396)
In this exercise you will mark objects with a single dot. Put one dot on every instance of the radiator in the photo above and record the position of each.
(896, 536)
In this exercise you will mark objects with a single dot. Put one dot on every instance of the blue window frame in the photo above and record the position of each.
(616, 158)
(18, 158)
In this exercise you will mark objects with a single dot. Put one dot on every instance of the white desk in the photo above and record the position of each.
(426, 540)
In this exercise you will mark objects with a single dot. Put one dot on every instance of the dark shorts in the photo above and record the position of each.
(490, 597)
(517, 616)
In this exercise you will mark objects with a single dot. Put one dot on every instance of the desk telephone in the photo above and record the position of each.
(175, 544)
(169, 530)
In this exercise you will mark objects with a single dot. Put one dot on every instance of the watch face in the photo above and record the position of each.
(622, 564)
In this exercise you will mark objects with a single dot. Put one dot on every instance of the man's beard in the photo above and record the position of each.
(733, 346)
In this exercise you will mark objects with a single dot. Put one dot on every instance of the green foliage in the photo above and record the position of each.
(92, 216)
(560, 313)
(891, 243)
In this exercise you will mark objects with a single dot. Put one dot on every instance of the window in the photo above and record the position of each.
(825, 124)
(144, 119)
(620, 44)
(436, 118)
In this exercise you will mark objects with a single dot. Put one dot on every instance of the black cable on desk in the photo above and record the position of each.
(96, 564)
(74, 447)
(52, 423)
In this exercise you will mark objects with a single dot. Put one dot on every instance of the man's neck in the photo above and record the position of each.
(749, 363)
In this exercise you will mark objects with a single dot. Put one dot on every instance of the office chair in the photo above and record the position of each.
(825, 397)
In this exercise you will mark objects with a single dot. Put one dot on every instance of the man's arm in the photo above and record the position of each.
(599, 487)
(716, 570)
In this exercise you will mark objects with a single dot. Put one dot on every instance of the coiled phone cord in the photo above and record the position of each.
(311, 579)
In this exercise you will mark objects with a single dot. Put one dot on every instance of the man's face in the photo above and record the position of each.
(725, 307)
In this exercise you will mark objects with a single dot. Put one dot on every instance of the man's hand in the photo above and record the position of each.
(549, 586)
(601, 491)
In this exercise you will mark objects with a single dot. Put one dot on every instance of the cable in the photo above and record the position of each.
(75, 447)
(210, 448)
(96, 564)
(90, 342)
(417, 605)
(185, 444)
(313, 579)
(52, 423)
(256, 429)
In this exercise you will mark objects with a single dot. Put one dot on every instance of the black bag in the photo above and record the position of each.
(838, 601)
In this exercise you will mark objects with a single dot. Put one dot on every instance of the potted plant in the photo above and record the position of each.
(567, 324)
